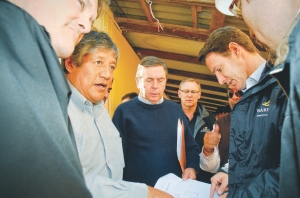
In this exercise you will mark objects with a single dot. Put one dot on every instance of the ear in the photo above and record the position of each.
(199, 96)
(137, 82)
(235, 48)
(179, 93)
(69, 65)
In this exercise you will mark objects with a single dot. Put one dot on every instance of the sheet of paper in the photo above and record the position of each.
(179, 139)
(178, 188)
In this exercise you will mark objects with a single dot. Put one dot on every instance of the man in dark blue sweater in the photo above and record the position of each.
(148, 127)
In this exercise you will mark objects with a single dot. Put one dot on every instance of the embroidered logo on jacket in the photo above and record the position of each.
(266, 104)
(263, 111)
(205, 129)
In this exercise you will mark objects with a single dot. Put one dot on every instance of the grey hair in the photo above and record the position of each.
(90, 43)
(150, 61)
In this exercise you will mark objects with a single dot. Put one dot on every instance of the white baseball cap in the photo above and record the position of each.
(223, 6)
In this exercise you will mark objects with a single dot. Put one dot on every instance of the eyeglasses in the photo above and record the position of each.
(186, 91)
(237, 93)
(235, 8)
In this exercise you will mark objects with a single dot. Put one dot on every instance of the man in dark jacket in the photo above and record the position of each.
(276, 24)
(200, 121)
(254, 151)
(38, 155)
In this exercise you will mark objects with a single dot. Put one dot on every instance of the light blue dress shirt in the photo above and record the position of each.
(100, 150)
(254, 77)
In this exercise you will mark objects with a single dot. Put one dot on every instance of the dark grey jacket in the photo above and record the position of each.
(288, 75)
(255, 136)
(38, 157)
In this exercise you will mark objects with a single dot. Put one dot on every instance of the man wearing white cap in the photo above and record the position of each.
(276, 24)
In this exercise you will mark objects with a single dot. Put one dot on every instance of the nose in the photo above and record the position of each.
(106, 95)
(155, 83)
(105, 73)
(234, 97)
(85, 23)
(221, 78)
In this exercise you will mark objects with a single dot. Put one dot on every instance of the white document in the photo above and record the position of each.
(178, 188)
(179, 138)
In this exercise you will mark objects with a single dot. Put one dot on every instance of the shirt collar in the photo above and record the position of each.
(254, 77)
(79, 99)
(148, 102)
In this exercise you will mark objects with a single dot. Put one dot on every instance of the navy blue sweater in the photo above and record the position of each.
(149, 135)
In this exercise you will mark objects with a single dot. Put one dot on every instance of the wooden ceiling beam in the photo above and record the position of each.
(206, 3)
(171, 94)
(209, 104)
(178, 31)
(141, 52)
(210, 108)
(206, 104)
(217, 20)
(175, 89)
(195, 10)
(194, 16)
(208, 87)
(147, 11)
(218, 103)
(192, 75)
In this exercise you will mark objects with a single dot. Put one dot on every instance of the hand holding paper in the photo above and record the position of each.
(178, 188)
(189, 173)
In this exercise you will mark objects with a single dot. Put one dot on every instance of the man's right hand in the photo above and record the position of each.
(211, 140)
(219, 183)
(155, 193)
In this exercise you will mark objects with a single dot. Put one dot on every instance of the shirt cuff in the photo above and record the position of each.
(210, 163)
(138, 190)
(209, 158)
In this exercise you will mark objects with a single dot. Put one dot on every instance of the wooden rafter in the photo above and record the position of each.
(192, 75)
(194, 16)
(202, 94)
(195, 10)
(208, 95)
(212, 100)
(217, 20)
(134, 25)
(212, 103)
(141, 52)
(146, 10)
(208, 87)
(207, 3)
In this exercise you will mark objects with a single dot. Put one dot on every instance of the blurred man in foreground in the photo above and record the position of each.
(38, 153)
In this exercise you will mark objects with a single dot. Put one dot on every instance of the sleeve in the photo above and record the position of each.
(118, 121)
(107, 187)
(266, 184)
(211, 163)
(192, 148)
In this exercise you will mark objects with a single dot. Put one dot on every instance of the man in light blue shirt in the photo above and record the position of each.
(89, 72)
